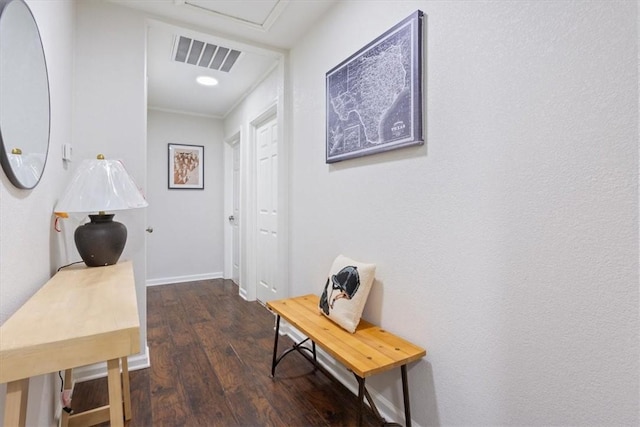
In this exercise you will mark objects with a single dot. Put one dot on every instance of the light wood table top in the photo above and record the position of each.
(81, 316)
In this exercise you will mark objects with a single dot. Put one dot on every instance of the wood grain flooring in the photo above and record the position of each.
(210, 354)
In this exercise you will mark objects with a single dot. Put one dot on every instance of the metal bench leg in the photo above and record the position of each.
(315, 359)
(405, 394)
(275, 347)
(361, 390)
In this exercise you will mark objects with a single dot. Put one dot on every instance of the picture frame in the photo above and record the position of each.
(186, 166)
(374, 98)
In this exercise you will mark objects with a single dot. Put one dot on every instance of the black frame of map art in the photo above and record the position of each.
(386, 77)
(186, 167)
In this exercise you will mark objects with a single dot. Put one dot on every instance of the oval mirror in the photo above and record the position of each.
(24, 96)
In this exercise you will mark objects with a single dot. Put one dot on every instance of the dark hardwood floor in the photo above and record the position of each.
(210, 354)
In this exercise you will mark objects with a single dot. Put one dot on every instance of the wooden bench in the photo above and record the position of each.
(368, 351)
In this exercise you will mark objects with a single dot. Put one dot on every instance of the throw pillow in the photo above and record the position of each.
(346, 291)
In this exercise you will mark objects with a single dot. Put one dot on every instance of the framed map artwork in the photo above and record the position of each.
(374, 97)
(186, 166)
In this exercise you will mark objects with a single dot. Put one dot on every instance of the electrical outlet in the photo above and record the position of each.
(67, 152)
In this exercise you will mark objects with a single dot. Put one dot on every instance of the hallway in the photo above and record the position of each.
(210, 362)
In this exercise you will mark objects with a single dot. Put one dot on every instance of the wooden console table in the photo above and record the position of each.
(83, 315)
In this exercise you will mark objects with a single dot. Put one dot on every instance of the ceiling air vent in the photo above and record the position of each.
(204, 54)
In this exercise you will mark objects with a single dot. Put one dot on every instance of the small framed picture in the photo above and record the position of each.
(186, 166)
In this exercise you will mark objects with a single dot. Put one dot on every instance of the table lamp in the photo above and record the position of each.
(98, 186)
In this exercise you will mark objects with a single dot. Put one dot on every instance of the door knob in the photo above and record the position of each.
(149, 230)
(232, 218)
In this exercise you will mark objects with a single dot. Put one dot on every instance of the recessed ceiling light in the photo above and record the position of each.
(207, 81)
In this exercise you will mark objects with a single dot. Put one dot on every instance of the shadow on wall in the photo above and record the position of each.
(373, 308)
(422, 393)
(424, 402)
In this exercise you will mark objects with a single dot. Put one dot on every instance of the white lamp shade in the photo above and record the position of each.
(100, 185)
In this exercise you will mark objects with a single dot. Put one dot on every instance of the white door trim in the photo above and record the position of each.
(234, 139)
(249, 226)
(248, 203)
(265, 116)
(267, 238)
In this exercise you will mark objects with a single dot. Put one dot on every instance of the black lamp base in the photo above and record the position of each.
(101, 241)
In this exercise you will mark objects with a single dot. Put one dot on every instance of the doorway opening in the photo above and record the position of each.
(231, 175)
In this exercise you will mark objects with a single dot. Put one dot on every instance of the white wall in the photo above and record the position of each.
(110, 108)
(187, 242)
(30, 250)
(508, 244)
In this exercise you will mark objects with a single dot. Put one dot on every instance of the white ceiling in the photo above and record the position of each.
(172, 85)
(261, 29)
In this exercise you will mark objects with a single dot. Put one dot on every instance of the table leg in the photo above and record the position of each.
(68, 389)
(15, 408)
(115, 393)
(126, 388)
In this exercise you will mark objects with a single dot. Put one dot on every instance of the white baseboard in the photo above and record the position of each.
(181, 279)
(387, 409)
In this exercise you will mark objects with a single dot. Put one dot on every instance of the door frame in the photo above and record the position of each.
(230, 143)
(248, 203)
(267, 116)
(251, 229)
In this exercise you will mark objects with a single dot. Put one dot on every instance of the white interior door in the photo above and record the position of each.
(267, 212)
(235, 218)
